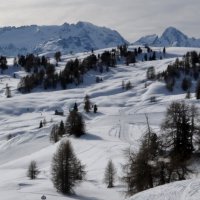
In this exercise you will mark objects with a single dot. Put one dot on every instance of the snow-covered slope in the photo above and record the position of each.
(119, 124)
(79, 37)
(181, 190)
(171, 37)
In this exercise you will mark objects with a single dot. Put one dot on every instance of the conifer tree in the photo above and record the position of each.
(75, 124)
(61, 130)
(54, 135)
(67, 170)
(87, 106)
(141, 170)
(41, 124)
(33, 170)
(128, 85)
(164, 50)
(8, 92)
(110, 174)
(123, 85)
(75, 107)
(57, 56)
(177, 130)
(95, 108)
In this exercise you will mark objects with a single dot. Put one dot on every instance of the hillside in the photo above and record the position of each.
(66, 38)
(182, 190)
(171, 37)
(119, 124)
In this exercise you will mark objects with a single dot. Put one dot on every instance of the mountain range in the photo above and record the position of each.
(171, 37)
(67, 38)
(80, 37)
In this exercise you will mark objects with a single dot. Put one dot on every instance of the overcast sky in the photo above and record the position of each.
(131, 18)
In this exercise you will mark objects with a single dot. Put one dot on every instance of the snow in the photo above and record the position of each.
(182, 190)
(119, 124)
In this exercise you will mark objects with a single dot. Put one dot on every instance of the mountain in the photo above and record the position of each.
(171, 37)
(66, 38)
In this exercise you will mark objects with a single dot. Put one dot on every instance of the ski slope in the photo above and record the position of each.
(119, 124)
(182, 190)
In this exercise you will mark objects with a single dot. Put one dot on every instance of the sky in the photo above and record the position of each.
(131, 18)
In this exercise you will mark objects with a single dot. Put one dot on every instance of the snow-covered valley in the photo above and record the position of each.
(118, 125)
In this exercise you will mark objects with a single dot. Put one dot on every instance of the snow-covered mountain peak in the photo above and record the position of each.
(173, 37)
(172, 31)
(170, 37)
(84, 24)
(66, 38)
(149, 39)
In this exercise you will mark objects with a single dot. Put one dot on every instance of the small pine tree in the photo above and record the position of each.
(54, 135)
(75, 124)
(128, 85)
(110, 174)
(41, 124)
(186, 84)
(87, 106)
(61, 130)
(75, 107)
(67, 170)
(33, 170)
(95, 108)
(164, 50)
(123, 85)
(153, 57)
(57, 56)
(8, 92)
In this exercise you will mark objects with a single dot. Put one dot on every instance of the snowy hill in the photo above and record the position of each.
(66, 38)
(171, 37)
(119, 124)
(182, 190)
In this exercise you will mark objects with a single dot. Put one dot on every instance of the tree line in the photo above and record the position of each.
(43, 73)
(185, 72)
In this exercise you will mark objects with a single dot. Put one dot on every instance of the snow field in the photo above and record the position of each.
(118, 125)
